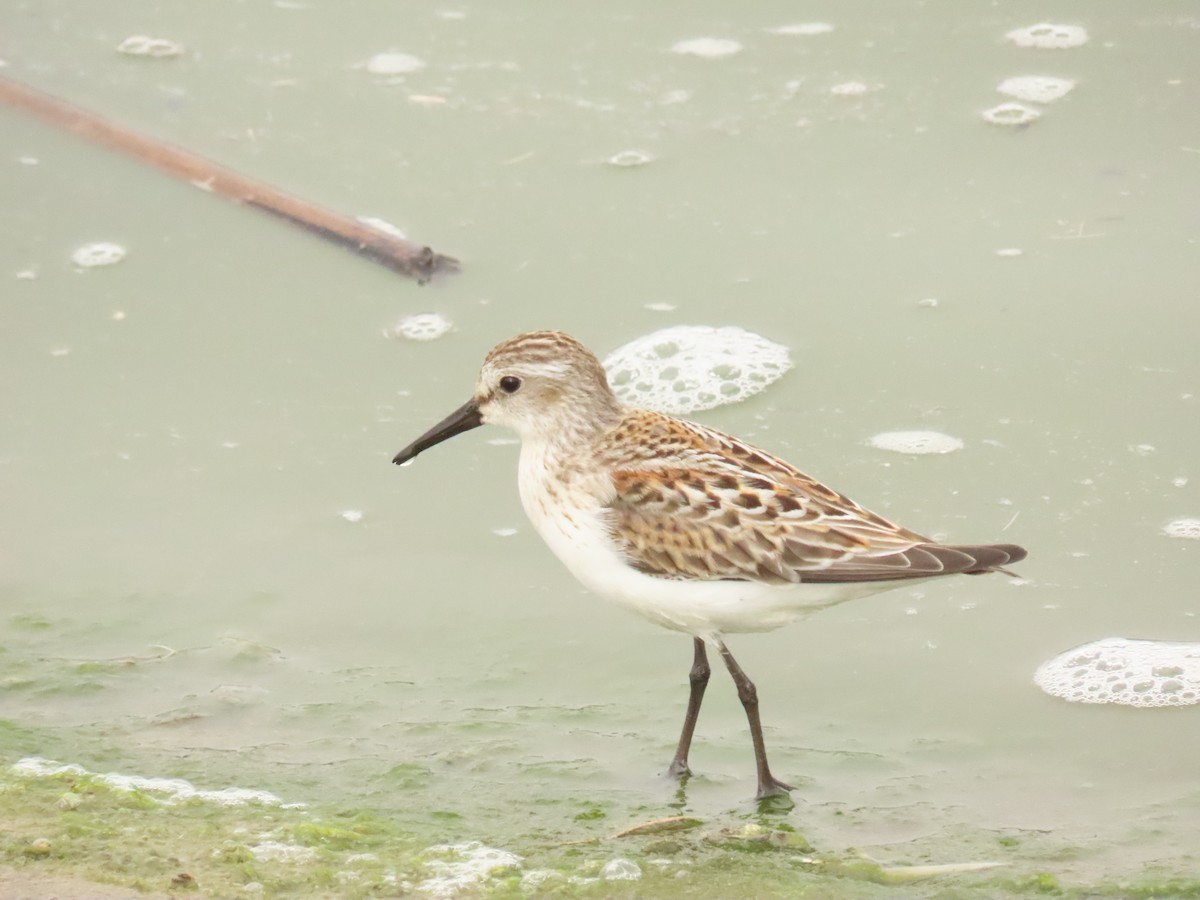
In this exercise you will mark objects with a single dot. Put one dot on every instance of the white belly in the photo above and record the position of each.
(706, 609)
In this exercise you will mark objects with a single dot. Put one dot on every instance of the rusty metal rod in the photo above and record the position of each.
(396, 253)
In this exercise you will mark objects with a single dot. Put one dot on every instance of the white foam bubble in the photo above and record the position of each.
(174, 789)
(803, 28)
(101, 253)
(1188, 529)
(1128, 672)
(916, 442)
(621, 869)
(687, 368)
(1045, 36)
(1011, 114)
(143, 45)
(1036, 88)
(464, 867)
(851, 89)
(1010, 251)
(628, 159)
(707, 47)
(422, 327)
(392, 63)
(352, 515)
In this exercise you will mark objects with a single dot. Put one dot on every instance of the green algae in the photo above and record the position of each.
(29, 622)
(143, 841)
(80, 825)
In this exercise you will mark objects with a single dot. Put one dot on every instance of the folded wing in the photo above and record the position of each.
(714, 508)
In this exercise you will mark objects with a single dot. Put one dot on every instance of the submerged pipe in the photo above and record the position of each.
(396, 253)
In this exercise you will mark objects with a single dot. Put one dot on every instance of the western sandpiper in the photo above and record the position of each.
(694, 529)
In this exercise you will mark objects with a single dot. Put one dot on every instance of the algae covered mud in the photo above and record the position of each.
(971, 233)
(73, 833)
(397, 833)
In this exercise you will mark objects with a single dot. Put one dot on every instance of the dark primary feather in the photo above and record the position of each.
(925, 560)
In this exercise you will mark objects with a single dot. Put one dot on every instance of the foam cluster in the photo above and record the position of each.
(170, 790)
(707, 47)
(144, 45)
(916, 442)
(850, 89)
(1036, 88)
(1041, 89)
(1128, 672)
(422, 327)
(1183, 528)
(686, 368)
(628, 159)
(1011, 114)
(803, 28)
(462, 867)
(101, 253)
(1047, 36)
(392, 63)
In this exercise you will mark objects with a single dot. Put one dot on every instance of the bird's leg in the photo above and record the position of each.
(698, 679)
(768, 784)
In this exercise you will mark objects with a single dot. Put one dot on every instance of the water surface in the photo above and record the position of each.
(183, 432)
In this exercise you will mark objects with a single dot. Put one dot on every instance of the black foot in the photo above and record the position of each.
(772, 787)
(678, 770)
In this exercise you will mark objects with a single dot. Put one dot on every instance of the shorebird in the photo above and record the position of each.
(692, 528)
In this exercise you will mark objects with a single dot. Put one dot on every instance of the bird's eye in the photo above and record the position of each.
(510, 384)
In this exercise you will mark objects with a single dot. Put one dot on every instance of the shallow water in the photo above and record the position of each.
(183, 431)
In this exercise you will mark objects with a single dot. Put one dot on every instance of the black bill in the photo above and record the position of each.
(462, 419)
